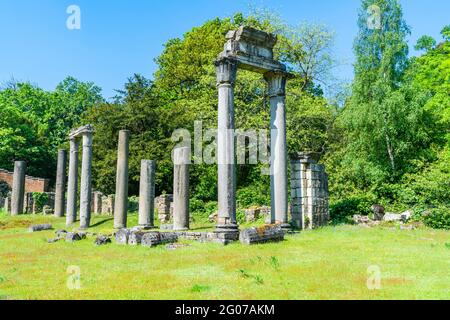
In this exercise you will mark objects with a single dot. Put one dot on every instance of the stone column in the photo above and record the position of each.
(278, 170)
(147, 194)
(181, 159)
(121, 201)
(86, 183)
(72, 185)
(60, 188)
(226, 75)
(18, 189)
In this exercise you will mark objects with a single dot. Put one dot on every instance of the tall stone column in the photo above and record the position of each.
(278, 170)
(226, 76)
(86, 182)
(72, 185)
(181, 159)
(121, 201)
(60, 188)
(147, 194)
(18, 189)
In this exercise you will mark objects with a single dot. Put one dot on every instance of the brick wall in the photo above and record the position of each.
(32, 184)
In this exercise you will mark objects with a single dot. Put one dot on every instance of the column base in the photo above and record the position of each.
(230, 227)
(180, 229)
(146, 227)
(227, 233)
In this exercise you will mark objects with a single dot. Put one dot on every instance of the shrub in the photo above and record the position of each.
(133, 204)
(4, 189)
(202, 209)
(255, 195)
(342, 211)
(40, 200)
(438, 218)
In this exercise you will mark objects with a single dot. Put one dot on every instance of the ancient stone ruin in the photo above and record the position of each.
(245, 48)
(252, 50)
(86, 134)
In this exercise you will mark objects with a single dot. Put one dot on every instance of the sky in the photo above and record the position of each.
(118, 38)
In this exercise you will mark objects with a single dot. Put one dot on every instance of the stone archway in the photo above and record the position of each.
(252, 50)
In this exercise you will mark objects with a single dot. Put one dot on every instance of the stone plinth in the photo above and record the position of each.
(163, 207)
(108, 205)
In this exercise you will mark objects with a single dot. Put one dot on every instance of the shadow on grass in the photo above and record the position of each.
(101, 222)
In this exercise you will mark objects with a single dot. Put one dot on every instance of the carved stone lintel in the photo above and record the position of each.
(78, 132)
(226, 70)
(277, 82)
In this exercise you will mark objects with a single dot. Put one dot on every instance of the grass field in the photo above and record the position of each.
(330, 263)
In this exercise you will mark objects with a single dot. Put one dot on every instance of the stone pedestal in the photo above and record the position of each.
(163, 207)
(309, 192)
(278, 169)
(60, 188)
(86, 182)
(108, 205)
(18, 189)
(182, 157)
(72, 186)
(147, 194)
(97, 202)
(226, 70)
(121, 202)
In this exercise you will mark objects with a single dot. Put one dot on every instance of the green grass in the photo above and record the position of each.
(329, 263)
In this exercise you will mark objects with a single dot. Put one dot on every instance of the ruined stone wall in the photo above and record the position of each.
(309, 193)
(32, 184)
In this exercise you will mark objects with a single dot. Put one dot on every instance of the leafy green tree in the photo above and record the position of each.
(425, 43)
(34, 122)
(386, 124)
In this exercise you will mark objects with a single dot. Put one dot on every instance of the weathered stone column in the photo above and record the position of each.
(147, 194)
(181, 159)
(226, 75)
(86, 182)
(72, 185)
(60, 188)
(18, 189)
(121, 201)
(278, 181)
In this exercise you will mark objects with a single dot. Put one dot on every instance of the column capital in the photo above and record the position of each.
(226, 70)
(277, 82)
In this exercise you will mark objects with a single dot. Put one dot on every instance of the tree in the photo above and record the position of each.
(34, 123)
(425, 43)
(387, 127)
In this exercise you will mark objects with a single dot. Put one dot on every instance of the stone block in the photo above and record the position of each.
(122, 236)
(263, 234)
(40, 227)
(152, 239)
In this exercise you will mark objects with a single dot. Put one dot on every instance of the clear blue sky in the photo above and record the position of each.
(119, 38)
